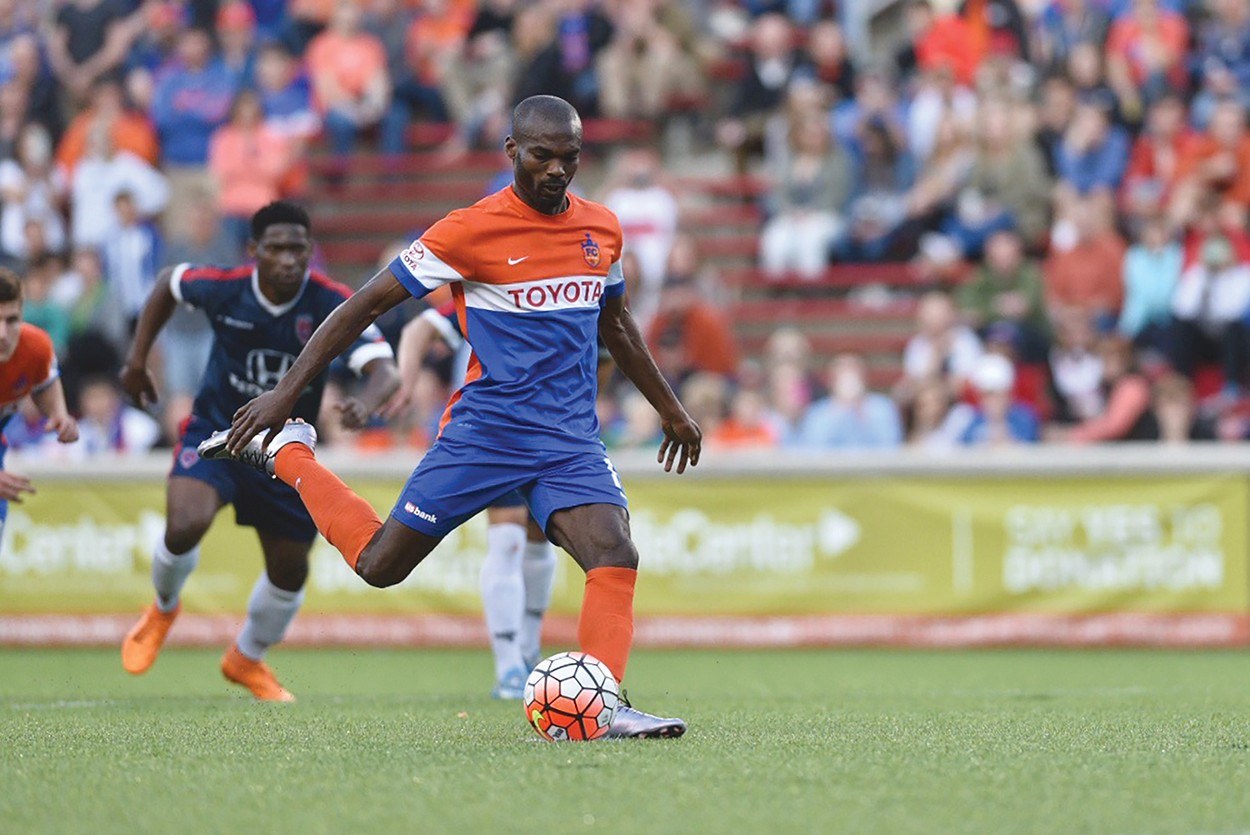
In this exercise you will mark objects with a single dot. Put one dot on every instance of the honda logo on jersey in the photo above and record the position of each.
(266, 367)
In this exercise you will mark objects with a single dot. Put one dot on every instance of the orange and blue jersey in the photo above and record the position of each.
(31, 369)
(255, 342)
(528, 288)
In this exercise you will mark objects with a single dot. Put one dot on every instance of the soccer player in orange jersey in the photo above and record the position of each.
(535, 273)
(27, 367)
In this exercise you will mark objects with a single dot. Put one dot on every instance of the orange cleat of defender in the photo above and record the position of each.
(144, 640)
(254, 675)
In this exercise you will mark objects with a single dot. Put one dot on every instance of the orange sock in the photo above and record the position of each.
(347, 521)
(606, 626)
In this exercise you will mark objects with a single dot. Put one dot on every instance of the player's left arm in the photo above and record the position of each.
(335, 335)
(50, 401)
(381, 382)
(682, 438)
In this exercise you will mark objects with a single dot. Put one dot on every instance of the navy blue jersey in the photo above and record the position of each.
(255, 342)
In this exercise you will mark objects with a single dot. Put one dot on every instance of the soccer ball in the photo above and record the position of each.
(571, 695)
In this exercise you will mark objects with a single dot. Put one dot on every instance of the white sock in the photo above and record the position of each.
(169, 572)
(270, 611)
(503, 594)
(539, 570)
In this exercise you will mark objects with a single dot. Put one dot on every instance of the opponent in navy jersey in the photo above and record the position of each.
(255, 341)
(534, 272)
(261, 317)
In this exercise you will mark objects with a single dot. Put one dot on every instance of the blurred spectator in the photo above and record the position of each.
(1154, 164)
(192, 99)
(942, 40)
(884, 171)
(127, 129)
(236, 33)
(747, 427)
(1007, 288)
(1075, 368)
(32, 192)
(12, 117)
(108, 425)
(187, 339)
(478, 84)
(1084, 268)
(1146, 54)
(1222, 60)
(132, 250)
(1094, 150)
(285, 95)
(89, 41)
(772, 65)
(830, 59)
(648, 214)
(1055, 112)
(875, 101)
(996, 419)
(250, 163)
(348, 69)
(96, 318)
(852, 417)
(1152, 269)
(939, 106)
(1217, 162)
(706, 398)
(637, 426)
(1126, 395)
(163, 21)
(930, 426)
(1008, 183)
(1174, 418)
(1062, 24)
(433, 40)
(942, 176)
(102, 174)
(643, 67)
(688, 334)
(40, 102)
(566, 66)
(305, 19)
(38, 307)
(811, 184)
(1209, 307)
(942, 349)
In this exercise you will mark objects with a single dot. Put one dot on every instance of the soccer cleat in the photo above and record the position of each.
(144, 640)
(511, 685)
(254, 675)
(256, 455)
(631, 723)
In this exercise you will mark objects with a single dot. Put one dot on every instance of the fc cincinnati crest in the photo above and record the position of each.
(590, 251)
(304, 328)
(188, 458)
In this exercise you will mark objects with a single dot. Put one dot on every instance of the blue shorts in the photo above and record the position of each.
(260, 502)
(455, 481)
(4, 505)
(512, 499)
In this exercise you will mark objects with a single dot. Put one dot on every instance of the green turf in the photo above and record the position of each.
(836, 741)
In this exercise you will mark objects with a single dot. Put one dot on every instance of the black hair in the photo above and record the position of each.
(539, 113)
(10, 286)
(279, 211)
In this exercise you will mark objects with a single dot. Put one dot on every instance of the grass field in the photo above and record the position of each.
(819, 741)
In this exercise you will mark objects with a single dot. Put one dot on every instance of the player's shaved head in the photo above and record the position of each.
(539, 115)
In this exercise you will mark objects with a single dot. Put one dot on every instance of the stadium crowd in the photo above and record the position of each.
(1069, 180)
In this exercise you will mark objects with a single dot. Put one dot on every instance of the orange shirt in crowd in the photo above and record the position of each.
(1126, 41)
(249, 167)
(1204, 148)
(707, 340)
(353, 62)
(731, 434)
(313, 11)
(432, 35)
(131, 132)
(950, 42)
(1088, 276)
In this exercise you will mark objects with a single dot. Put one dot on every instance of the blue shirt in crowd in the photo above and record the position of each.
(187, 107)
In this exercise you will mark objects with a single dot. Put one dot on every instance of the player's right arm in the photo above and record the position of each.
(136, 380)
(335, 335)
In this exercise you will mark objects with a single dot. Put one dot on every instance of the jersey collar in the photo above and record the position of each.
(268, 306)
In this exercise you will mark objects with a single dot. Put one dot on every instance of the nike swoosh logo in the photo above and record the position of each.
(512, 262)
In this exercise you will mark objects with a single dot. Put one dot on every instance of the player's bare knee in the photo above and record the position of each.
(615, 551)
(184, 532)
(288, 577)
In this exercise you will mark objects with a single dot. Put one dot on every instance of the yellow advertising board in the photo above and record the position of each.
(751, 549)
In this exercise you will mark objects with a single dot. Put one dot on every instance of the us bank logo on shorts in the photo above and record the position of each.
(420, 514)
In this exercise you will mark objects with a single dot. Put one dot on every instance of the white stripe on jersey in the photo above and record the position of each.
(175, 281)
(616, 275)
(426, 267)
(574, 292)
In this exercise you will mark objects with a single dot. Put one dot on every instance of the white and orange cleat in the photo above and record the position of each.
(144, 640)
(254, 675)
